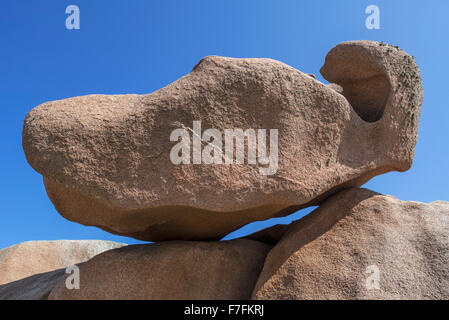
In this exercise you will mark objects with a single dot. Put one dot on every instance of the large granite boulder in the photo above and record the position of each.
(271, 235)
(34, 257)
(362, 245)
(109, 161)
(170, 270)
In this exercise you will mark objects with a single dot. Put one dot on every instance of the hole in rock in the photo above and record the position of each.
(260, 225)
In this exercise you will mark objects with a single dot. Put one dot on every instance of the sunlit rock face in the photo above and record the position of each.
(361, 245)
(107, 161)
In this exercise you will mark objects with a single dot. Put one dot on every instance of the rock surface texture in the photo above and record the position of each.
(357, 245)
(170, 270)
(34, 257)
(106, 159)
(36, 287)
(336, 251)
(271, 235)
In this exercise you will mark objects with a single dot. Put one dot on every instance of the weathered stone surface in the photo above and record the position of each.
(106, 159)
(33, 257)
(333, 252)
(36, 287)
(170, 270)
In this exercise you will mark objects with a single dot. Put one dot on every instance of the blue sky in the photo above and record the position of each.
(139, 46)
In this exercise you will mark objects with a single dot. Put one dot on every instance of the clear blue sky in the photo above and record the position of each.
(138, 46)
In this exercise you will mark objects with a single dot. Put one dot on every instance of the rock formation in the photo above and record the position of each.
(29, 258)
(171, 270)
(106, 159)
(36, 287)
(356, 239)
(165, 166)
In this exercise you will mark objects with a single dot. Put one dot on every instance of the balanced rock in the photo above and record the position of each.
(146, 166)
(35, 257)
(361, 245)
(170, 270)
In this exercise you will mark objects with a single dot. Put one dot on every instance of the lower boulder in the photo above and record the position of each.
(170, 270)
(361, 245)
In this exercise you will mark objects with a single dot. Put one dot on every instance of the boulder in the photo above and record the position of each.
(170, 270)
(34, 257)
(361, 245)
(36, 287)
(145, 166)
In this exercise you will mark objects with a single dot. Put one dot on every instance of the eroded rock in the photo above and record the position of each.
(170, 270)
(271, 235)
(106, 159)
